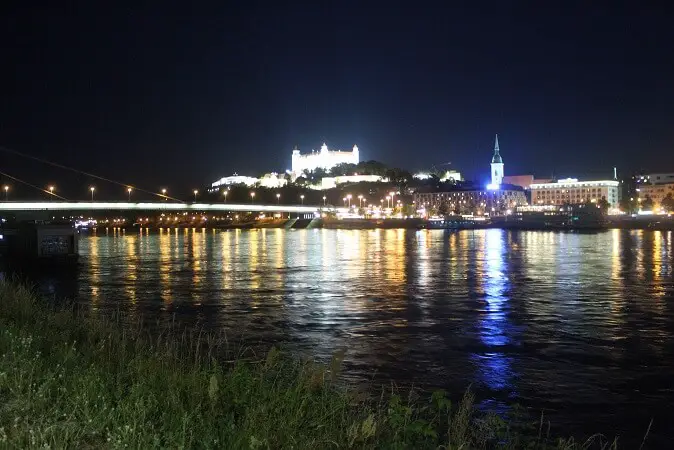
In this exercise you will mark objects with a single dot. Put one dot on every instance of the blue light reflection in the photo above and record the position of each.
(494, 365)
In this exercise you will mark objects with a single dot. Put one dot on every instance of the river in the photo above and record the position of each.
(577, 325)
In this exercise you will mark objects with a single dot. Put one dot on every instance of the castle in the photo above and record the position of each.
(325, 159)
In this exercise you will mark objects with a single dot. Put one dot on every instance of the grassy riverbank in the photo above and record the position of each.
(72, 380)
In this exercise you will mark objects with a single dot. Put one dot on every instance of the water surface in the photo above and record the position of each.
(579, 325)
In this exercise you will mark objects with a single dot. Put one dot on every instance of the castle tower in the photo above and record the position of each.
(356, 155)
(496, 165)
(296, 166)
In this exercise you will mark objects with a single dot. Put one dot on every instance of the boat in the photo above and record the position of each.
(570, 217)
(448, 223)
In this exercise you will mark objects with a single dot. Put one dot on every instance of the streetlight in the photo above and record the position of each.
(195, 195)
(348, 197)
(302, 199)
(344, 201)
(163, 193)
(128, 191)
(225, 194)
(360, 200)
(6, 188)
(92, 189)
(324, 200)
(278, 198)
(252, 196)
(388, 203)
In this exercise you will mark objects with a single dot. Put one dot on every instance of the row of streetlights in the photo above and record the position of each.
(252, 197)
(348, 198)
(6, 189)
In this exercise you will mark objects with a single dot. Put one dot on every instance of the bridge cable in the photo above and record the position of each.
(33, 186)
(61, 166)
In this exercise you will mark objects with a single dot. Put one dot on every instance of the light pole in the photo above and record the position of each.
(344, 201)
(392, 194)
(324, 200)
(252, 196)
(128, 192)
(225, 194)
(388, 201)
(195, 195)
(163, 193)
(302, 199)
(51, 190)
(360, 201)
(6, 188)
(348, 197)
(278, 198)
(92, 189)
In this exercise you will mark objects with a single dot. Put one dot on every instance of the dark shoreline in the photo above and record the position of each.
(409, 224)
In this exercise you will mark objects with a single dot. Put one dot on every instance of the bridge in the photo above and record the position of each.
(162, 207)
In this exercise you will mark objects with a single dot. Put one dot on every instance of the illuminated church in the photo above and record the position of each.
(325, 159)
(496, 166)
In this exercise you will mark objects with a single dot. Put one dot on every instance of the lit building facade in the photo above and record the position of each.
(273, 180)
(472, 201)
(656, 192)
(524, 181)
(235, 179)
(450, 175)
(324, 159)
(572, 191)
(331, 182)
(655, 178)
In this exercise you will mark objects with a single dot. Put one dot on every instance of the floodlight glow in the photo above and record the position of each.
(493, 187)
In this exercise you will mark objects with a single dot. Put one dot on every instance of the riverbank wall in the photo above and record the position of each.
(664, 223)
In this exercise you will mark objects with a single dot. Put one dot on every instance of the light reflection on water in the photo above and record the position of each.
(578, 324)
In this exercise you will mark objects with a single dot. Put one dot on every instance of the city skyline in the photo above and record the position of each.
(197, 94)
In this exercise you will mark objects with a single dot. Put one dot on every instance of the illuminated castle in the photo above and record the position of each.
(325, 159)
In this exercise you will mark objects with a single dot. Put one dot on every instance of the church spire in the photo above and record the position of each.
(497, 156)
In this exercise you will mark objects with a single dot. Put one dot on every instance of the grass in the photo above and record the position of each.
(71, 379)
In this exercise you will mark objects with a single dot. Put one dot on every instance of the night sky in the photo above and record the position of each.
(181, 95)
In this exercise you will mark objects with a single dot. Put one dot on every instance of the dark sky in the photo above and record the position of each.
(180, 95)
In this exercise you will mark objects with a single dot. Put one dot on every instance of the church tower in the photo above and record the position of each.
(496, 165)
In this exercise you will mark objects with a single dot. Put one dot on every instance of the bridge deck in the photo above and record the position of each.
(157, 206)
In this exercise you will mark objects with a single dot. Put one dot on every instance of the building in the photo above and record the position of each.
(655, 178)
(496, 165)
(235, 179)
(572, 191)
(450, 175)
(331, 182)
(325, 159)
(656, 192)
(524, 181)
(273, 180)
(472, 201)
